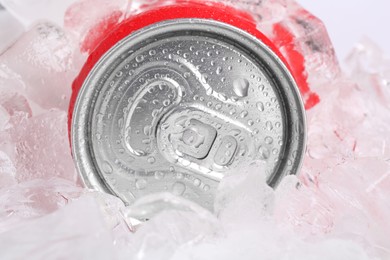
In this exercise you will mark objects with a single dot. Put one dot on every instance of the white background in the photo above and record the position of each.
(350, 20)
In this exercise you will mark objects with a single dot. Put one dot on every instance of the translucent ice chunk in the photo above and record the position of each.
(169, 231)
(77, 231)
(40, 66)
(39, 146)
(347, 201)
(91, 29)
(32, 199)
(7, 171)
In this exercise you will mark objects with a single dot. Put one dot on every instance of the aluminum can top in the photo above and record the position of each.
(177, 105)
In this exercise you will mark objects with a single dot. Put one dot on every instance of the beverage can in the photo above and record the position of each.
(178, 96)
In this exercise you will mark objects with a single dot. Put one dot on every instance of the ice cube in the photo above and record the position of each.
(32, 199)
(77, 231)
(39, 146)
(91, 29)
(7, 171)
(169, 231)
(40, 66)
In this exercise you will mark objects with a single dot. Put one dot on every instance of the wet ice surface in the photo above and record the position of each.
(338, 208)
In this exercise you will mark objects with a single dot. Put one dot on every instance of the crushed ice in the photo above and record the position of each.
(338, 208)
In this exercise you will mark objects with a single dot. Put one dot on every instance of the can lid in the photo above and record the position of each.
(176, 105)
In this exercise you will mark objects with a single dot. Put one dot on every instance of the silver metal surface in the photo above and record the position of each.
(177, 105)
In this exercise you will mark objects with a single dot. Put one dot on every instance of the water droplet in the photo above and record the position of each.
(166, 102)
(218, 106)
(159, 175)
(151, 160)
(197, 182)
(152, 52)
(165, 126)
(261, 87)
(146, 141)
(141, 184)
(140, 58)
(244, 114)
(147, 130)
(269, 126)
(264, 153)
(178, 188)
(209, 91)
(241, 87)
(107, 168)
(278, 124)
(206, 188)
(219, 70)
(269, 140)
(232, 111)
(204, 78)
(260, 106)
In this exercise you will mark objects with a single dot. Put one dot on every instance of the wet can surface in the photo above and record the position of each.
(175, 104)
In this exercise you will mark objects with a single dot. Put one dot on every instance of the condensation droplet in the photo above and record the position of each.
(178, 188)
(197, 182)
(269, 140)
(140, 58)
(147, 130)
(159, 175)
(264, 153)
(241, 87)
(269, 126)
(107, 168)
(244, 114)
(151, 160)
(260, 106)
(141, 184)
